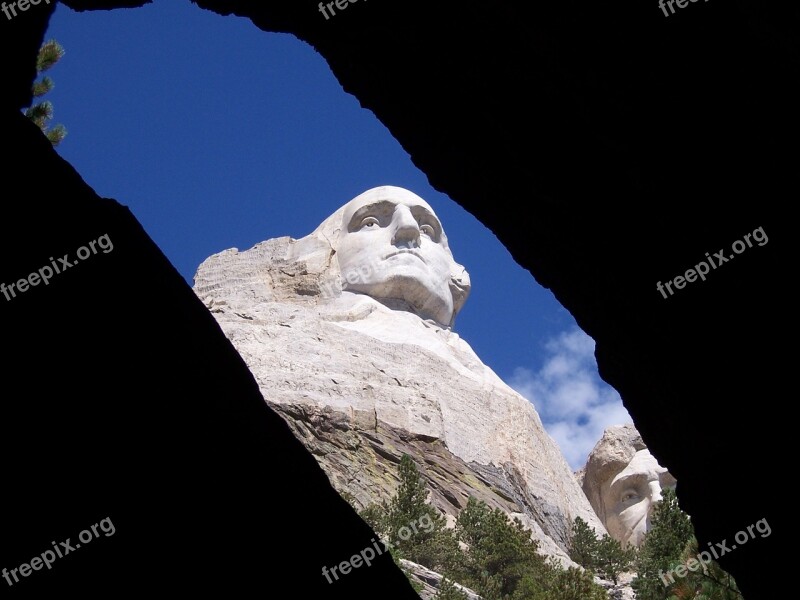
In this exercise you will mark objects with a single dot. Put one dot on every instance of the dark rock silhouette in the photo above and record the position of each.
(608, 147)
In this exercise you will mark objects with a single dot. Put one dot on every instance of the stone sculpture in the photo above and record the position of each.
(624, 482)
(392, 247)
(348, 332)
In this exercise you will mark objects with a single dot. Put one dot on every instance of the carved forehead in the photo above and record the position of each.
(643, 466)
(387, 193)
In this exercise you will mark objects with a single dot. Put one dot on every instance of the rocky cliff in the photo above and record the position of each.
(361, 384)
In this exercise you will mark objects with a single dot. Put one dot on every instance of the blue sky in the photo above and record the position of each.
(218, 135)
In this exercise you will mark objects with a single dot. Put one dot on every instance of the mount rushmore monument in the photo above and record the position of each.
(349, 334)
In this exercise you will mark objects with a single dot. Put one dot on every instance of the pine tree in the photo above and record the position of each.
(501, 553)
(376, 516)
(413, 529)
(612, 559)
(410, 503)
(503, 563)
(41, 113)
(671, 543)
(448, 591)
(583, 544)
(662, 549)
(571, 584)
(709, 582)
(487, 552)
(606, 557)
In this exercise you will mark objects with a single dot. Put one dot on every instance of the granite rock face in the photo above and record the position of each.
(430, 581)
(362, 382)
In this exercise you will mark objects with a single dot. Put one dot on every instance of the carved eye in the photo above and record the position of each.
(427, 230)
(630, 495)
(369, 223)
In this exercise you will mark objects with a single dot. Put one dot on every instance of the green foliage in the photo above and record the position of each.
(496, 557)
(671, 543)
(487, 552)
(49, 54)
(448, 591)
(709, 582)
(671, 528)
(41, 113)
(503, 563)
(412, 528)
(501, 553)
(375, 515)
(41, 87)
(606, 557)
(572, 584)
(583, 544)
(409, 504)
(613, 559)
(662, 548)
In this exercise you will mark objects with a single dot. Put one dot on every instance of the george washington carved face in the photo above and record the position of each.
(393, 248)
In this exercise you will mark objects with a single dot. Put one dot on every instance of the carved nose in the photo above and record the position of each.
(655, 493)
(406, 229)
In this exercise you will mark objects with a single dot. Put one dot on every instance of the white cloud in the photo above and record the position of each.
(575, 405)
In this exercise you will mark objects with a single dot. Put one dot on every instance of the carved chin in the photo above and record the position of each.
(428, 300)
(631, 533)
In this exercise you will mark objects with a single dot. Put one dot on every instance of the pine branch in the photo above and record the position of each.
(57, 134)
(720, 583)
(40, 88)
(40, 113)
(49, 54)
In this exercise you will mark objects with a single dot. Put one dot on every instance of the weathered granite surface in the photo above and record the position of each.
(362, 381)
